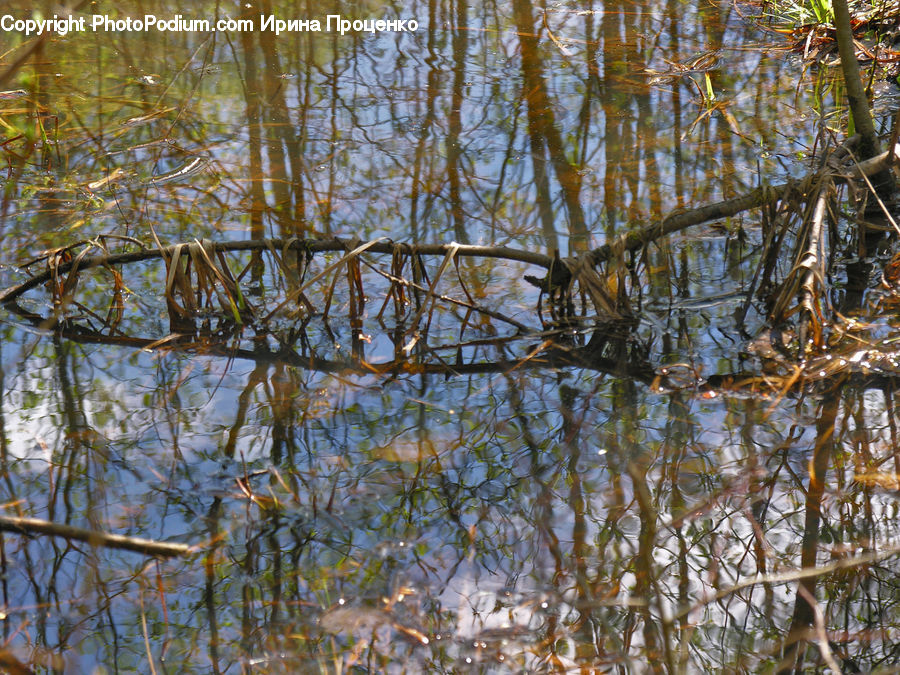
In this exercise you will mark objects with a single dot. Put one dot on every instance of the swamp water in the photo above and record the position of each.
(372, 478)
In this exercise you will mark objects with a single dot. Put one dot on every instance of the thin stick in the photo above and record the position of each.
(93, 537)
(400, 281)
(146, 635)
(791, 576)
(821, 631)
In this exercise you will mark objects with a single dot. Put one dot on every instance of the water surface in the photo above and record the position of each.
(380, 481)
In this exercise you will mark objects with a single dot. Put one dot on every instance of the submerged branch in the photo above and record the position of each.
(92, 537)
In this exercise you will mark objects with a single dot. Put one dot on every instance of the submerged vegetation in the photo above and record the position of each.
(535, 340)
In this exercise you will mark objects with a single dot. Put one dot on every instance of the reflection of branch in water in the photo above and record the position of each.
(609, 351)
(557, 355)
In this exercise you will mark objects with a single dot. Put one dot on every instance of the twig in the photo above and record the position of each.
(146, 635)
(821, 631)
(793, 575)
(93, 537)
(468, 305)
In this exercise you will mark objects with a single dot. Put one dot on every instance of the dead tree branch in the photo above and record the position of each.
(92, 537)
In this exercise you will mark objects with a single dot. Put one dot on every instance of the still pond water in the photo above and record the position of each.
(375, 480)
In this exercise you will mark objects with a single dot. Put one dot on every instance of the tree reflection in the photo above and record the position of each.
(364, 492)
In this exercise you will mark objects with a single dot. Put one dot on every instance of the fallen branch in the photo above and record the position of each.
(92, 537)
(631, 241)
(308, 245)
(761, 196)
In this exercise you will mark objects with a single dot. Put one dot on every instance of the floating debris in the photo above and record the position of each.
(149, 117)
(194, 166)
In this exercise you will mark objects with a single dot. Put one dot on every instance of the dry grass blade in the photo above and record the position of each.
(395, 292)
(288, 262)
(293, 268)
(181, 315)
(329, 296)
(71, 282)
(400, 282)
(55, 285)
(429, 304)
(62, 289)
(813, 266)
(294, 296)
(117, 304)
(217, 279)
(597, 288)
